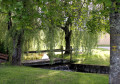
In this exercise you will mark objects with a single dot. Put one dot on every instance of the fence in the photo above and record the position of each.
(54, 50)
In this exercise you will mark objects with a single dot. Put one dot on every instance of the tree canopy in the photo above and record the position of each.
(27, 23)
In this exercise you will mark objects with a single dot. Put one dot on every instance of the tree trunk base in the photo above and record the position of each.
(67, 53)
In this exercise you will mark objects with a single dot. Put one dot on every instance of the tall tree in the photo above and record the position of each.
(68, 33)
(73, 13)
(114, 77)
(21, 20)
(113, 8)
(66, 12)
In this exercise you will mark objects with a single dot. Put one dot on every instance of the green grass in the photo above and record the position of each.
(99, 57)
(28, 75)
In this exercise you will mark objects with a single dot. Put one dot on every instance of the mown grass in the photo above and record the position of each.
(98, 57)
(28, 75)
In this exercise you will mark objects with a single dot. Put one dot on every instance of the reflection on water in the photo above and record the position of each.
(61, 67)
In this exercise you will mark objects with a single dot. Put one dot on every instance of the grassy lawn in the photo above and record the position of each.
(99, 57)
(28, 75)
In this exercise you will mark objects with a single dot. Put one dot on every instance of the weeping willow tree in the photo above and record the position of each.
(88, 26)
(65, 16)
(23, 21)
(20, 27)
(2, 32)
(84, 41)
(51, 32)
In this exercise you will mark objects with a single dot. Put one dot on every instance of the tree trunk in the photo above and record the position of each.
(114, 76)
(17, 45)
(10, 21)
(67, 40)
(68, 33)
(9, 27)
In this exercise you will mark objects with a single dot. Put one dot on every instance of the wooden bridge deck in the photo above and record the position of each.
(44, 62)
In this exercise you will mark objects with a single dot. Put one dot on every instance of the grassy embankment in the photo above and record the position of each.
(98, 57)
(28, 75)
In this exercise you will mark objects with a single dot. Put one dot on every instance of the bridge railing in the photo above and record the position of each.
(54, 50)
(4, 56)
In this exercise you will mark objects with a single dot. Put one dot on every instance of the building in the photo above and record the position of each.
(104, 39)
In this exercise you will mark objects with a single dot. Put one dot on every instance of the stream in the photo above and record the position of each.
(77, 68)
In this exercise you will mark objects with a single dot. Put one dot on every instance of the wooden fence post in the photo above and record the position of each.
(70, 53)
(62, 53)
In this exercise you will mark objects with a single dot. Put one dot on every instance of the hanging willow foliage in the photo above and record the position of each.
(84, 41)
(76, 39)
(30, 37)
(50, 34)
(3, 27)
(3, 31)
(89, 41)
